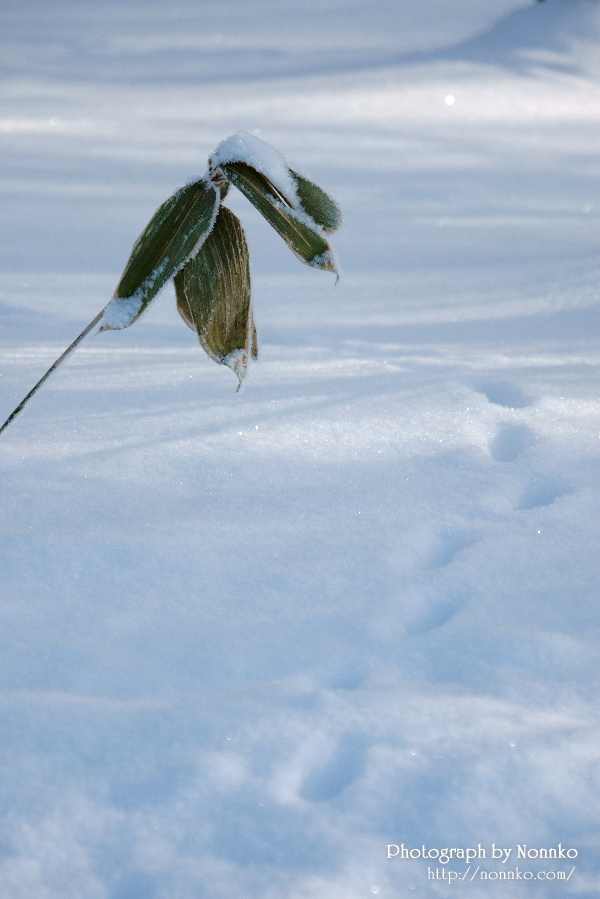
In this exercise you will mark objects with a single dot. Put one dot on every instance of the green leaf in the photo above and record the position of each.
(317, 204)
(305, 242)
(213, 295)
(165, 245)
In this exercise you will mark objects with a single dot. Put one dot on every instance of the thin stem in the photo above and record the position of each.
(54, 366)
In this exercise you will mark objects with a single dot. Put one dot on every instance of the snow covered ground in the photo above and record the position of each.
(249, 640)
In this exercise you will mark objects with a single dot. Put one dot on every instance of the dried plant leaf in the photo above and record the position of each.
(317, 204)
(305, 242)
(213, 295)
(167, 242)
(211, 268)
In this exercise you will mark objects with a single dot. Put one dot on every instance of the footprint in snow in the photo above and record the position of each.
(504, 393)
(431, 602)
(542, 491)
(435, 614)
(510, 442)
(348, 675)
(425, 548)
(447, 547)
(338, 772)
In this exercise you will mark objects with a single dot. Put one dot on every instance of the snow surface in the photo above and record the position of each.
(250, 640)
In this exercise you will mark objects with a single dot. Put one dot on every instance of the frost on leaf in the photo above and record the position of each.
(201, 244)
(297, 229)
(213, 295)
(293, 189)
(322, 208)
(174, 233)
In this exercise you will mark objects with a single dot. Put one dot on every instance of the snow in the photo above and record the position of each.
(121, 311)
(250, 640)
(237, 361)
(257, 153)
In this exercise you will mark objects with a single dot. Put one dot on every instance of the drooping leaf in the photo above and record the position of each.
(305, 242)
(220, 310)
(317, 204)
(213, 295)
(167, 242)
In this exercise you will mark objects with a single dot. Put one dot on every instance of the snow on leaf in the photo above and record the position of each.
(257, 153)
(305, 241)
(174, 233)
(317, 204)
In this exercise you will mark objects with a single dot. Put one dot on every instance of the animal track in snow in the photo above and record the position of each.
(542, 491)
(510, 442)
(504, 393)
(439, 611)
(425, 548)
(349, 675)
(430, 597)
(346, 764)
(447, 548)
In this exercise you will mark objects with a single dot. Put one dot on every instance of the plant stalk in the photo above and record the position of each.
(52, 368)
